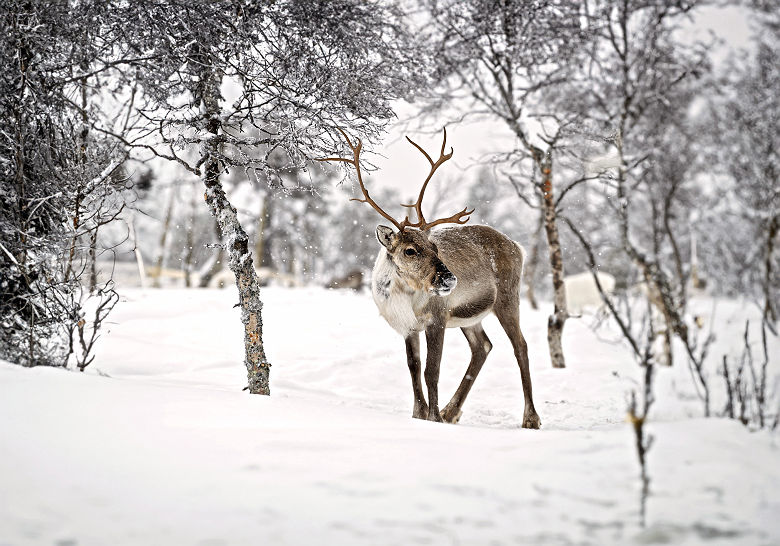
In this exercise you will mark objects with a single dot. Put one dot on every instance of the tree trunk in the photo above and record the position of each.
(770, 312)
(264, 246)
(260, 235)
(235, 239)
(290, 262)
(216, 264)
(189, 252)
(93, 259)
(533, 263)
(695, 280)
(543, 161)
(139, 259)
(659, 290)
(164, 237)
(557, 320)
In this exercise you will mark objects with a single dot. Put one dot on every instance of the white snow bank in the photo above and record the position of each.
(582, 292)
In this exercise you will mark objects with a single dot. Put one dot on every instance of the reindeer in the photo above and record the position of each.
(428, 280)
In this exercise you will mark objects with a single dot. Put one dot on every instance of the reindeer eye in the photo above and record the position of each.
(410, 252)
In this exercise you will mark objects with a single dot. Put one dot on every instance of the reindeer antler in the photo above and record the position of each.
(355, 161)
(421, 224)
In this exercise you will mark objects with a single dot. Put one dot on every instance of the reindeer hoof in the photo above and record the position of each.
(420, 411)
(451, 414)
(532, 421)
(434, 415)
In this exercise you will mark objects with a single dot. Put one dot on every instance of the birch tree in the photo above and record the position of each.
(745, 130)
(295, 70)
(641, 79)
(499, 59)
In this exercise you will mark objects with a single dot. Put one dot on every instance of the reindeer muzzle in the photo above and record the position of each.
(443, 280)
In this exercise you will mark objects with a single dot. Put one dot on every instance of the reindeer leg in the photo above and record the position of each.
(480, 347)
(509, 317)
(434, 337)
(413, 359)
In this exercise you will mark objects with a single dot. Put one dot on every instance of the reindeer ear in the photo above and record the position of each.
(385, 235)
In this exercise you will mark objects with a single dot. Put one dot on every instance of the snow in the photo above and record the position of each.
(157, 444)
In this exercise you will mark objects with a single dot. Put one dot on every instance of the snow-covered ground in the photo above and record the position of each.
(157, 444)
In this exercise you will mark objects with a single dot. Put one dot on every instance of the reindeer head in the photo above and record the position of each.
(416, 260)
